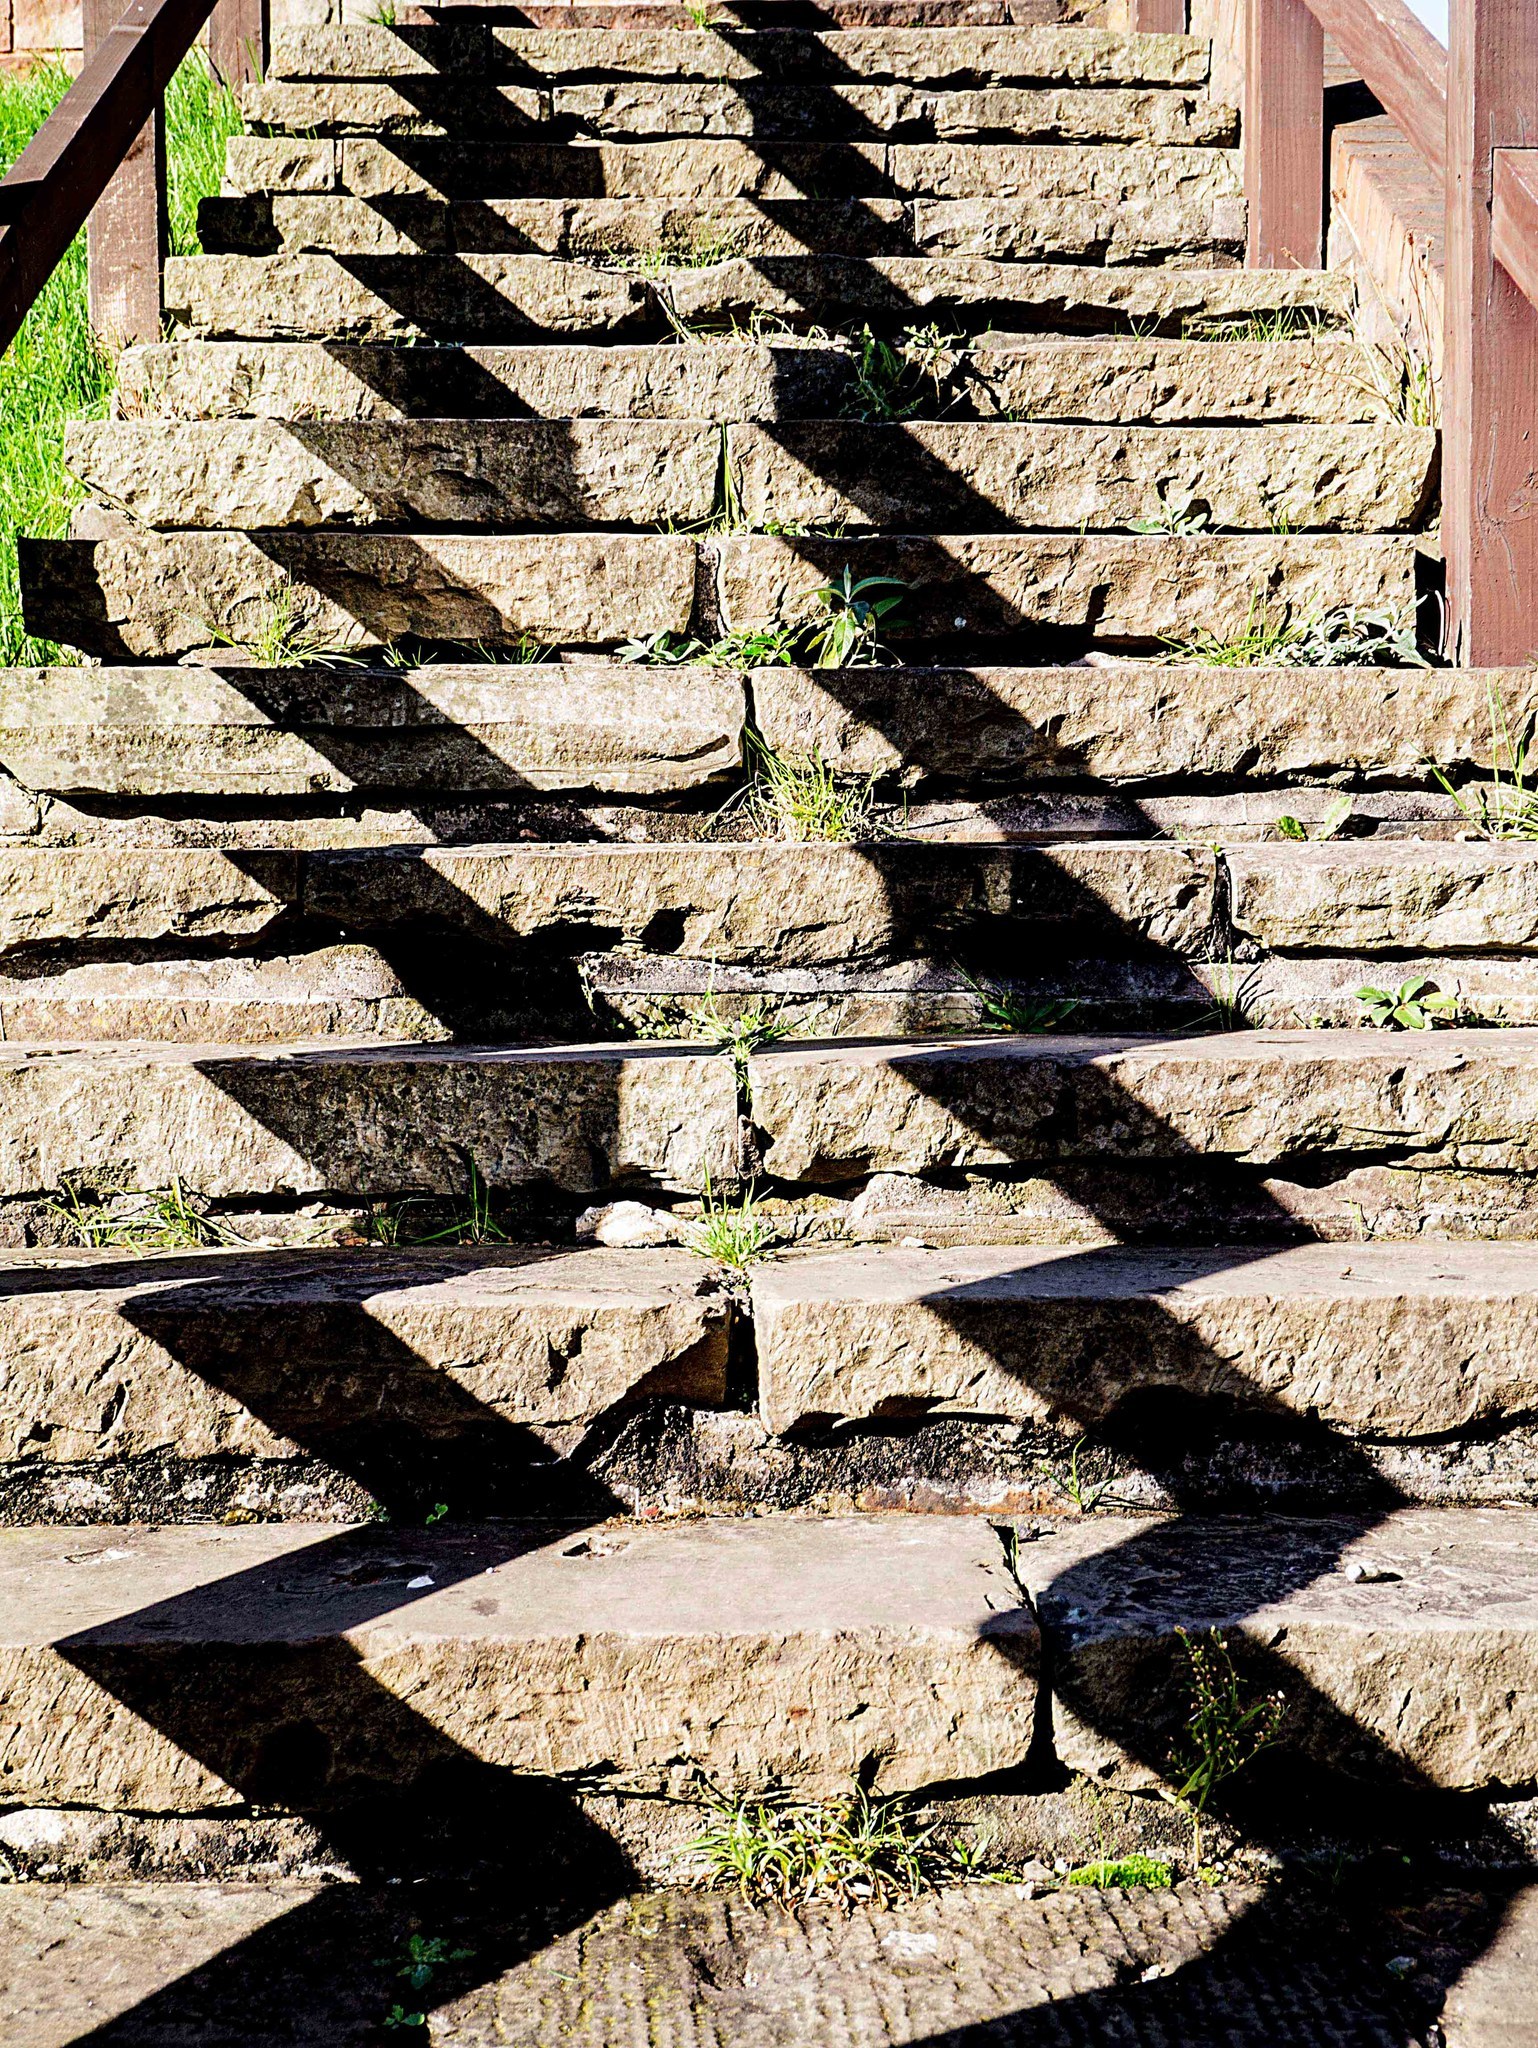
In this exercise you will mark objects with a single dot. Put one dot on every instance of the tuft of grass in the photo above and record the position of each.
(1506, 807)
(733, 1234)
(755, 647)
(471, 1221)
(1005, 1009)
(757, 1024)
(1122, 1873)
(56, 369)
(798, 797)
(171, 1218)
(1348, 636)
(1179, 512)
(1416, 1005)
(285, 636)
(1226, 1727)
(853, 1851)
(1403, 383)
(1273, 323)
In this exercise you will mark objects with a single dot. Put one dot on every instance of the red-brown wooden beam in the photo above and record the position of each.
(1159, 17)
(1283, 134)
(67, 166)
(1514, 217)
(237, 40)
(1490, 345)
(1403, 64)
(125, 237)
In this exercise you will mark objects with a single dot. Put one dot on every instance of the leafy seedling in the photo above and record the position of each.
(1416, 1005)
(1122, 1873)
(1225, 1730)
(1330, 822)
(844, 629)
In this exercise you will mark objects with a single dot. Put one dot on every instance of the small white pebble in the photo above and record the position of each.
(416, 1585)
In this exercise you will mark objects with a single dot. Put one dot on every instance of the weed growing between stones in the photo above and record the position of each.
(1179, 512)
(1335, 816)
(1348, 636)
(1507, 807)
(1403, 382)
(172, 1218)
(1416, 1005)
(798, 797)
(469, 1222)
(895, 381)
(1224, 1732)
(1005, 1009)
(698, 251)
(1273, 323)
(853, 1851)
(1121, 1873)
(416, 1963)
(285, 636)
(732, 1233)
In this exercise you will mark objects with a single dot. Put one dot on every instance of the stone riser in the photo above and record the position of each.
(1136, 230)
(1167, 383)
(856, 475)
(521, 298)
(136, 595)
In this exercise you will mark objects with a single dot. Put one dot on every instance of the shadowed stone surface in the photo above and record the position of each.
(813, 1651)
(1074, 1335)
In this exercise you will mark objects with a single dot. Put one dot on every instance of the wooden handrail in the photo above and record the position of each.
(1514, 216)
(73, 158)
(1401, 63)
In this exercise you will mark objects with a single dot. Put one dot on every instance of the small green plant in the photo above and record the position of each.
(757, 1024)
(417, 1962)
(1085, 1497)
(848, 616)
(1269, 323)
(524, 652)
(1005, 1009)
(890, 382)
(435, 1514)
(285, 636)
(1506, 807)
(798, 797)
(1122, 1873)
(470, 1222)
(1225, 1728)
(733, 1234)
(1179, 512)
(1403, 382)
(383, 15)
(171, 1218)
(1334, 816)
(1350, 636)
(1416, 1005)
(854, 1851)
(754, 647)
(701, 12)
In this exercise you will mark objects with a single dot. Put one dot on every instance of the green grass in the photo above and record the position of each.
(56, 370)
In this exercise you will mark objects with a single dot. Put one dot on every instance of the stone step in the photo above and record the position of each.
(359, 1359)
(160, 1670)
(1455, 1100)
(754, 14)
(362, 1119)
(1106, 380)
(775, 109)
(712, 170)
(516, 298)
(1095, 1339)
(951, 57)
(136, 595)
(632, 728)
(624, 729)
(257, 474)
(1138, 229)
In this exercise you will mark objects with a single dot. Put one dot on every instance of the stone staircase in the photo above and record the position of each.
(410, 878)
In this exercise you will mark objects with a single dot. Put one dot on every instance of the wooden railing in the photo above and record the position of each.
(99, 159)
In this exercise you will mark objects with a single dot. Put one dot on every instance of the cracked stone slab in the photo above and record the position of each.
(954, 57)
(513, 298)
(792, 904)
(160, 1669)
(1464, 1099)
(1072, 1335)
(364, 1118)
(1404, 1644)
(259, 1354)
(1119, 722)
(537, 726)
(1124, 590)
(140, 595)
(1473, 896)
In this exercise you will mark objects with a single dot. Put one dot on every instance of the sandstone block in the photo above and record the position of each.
(158, 1669)
(186, 893)
(1167, 382)
(1037, 173)
(540, 726)
(1471, 896)
(1424, 1672)
(363, 1118)
(263, 1354)
(139, 595)
(1452, 1098)
(1069, 1336)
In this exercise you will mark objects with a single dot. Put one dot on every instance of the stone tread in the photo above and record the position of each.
(255, 1353)
(508, 298)
(1105, 380)
(136, 595)
(1073, 1334)
(252, 475)
(148, 1669)
(290, 1964)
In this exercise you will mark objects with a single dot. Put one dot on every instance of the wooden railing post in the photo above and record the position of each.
(237, 40)
(1283, 134)
(1489, 346)
(125, 235)
(1158, 17)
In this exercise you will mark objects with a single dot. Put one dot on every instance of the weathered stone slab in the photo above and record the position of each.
(1116, 723)
(154, 1670)
(507, 298)
(253, 474)
(795, 904)
(1454, 1098)
(1138, 229)
(1106, 378)
(1422, 1670)
(262, 1354)
(181, 893)
(772, 108)
(1130, 591)
(538, 726)
(1473, 896)
(363, 1118)
(139, 595)
(1037, 172)
(429, 105)
(939, 475)
(949, 56)
(1070, 1336)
